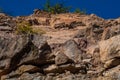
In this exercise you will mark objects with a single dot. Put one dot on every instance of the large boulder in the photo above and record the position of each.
(61, 58)
(19, 50)
(110, 50)
(72, 51)
(113, 73)
(11, 50)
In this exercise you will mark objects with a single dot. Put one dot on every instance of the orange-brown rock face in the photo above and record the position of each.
(60, 47)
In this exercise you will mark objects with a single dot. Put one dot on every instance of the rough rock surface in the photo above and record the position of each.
(110, 51)
(74, 47)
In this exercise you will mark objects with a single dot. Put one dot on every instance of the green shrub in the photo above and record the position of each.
(80, 11)
(25, 28)
(60, 8)
(56, 9)
(1, 10)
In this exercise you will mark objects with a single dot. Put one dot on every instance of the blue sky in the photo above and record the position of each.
(103, 8)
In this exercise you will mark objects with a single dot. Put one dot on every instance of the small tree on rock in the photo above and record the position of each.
(56, 9)
(79, 11)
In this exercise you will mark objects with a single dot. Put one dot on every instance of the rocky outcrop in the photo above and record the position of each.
(33, 54)
(113, 73)
(110, 51)
(74, 47)
(7, 23)
(20, 50)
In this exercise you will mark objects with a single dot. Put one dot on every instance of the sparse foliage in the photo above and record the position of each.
(56, 9)
(47, 6)
(79, 11)
(25, 28)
